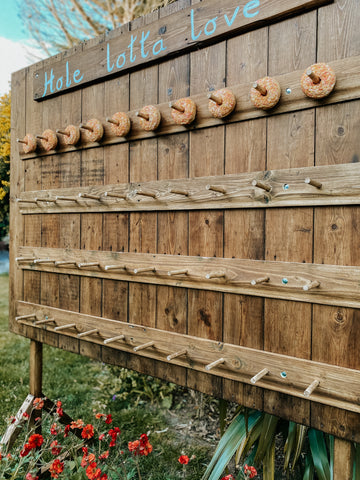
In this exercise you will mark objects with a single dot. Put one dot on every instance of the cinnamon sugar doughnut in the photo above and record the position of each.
(228, 103)
(51, 140)
(29, 143)
(188, 115)
(93, 130)
(154, 118)
(123, 124)
(326, 84)
(272, 96)
(71, 134)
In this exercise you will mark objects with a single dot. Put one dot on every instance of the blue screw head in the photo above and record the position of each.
(283, 374)
(286, 186)
(285, 281)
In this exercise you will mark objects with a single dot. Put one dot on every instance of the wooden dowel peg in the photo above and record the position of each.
(25, 201)
(115, 267)
(114, 339)
(216, 99)
(176, 107)
(146, 193)
(216, 188)
(24, 259)
(89, 332)
(178, 272)
(259, 375)
(64, 263)
(180, 353)
(315, 78)
(311, 285)
(259, 184)
(65, 327)
(145, 269)
(43, 322)
(89, 195)
(215, 275)
(256, 281)
(111, 120)
(47, 200)
(67, 199)
(217, 362)
(21, 141)
(62, 132)
(313, 182)
(89, 264)
(41, 137)
(311, 388)
(179, 191)
(116, 195)
(25, 317)
(145, 116)
(144, 346)
(86, 127)
(44, 260)
(259, 88)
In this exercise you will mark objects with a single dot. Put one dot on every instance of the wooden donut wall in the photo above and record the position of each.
(223, 255)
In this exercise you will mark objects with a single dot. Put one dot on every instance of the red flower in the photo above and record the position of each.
(99, 415)
(104, 477)
(134, 447)
(30, 477)
(140, 447)
(56, 468)
(77, 424)
(104, 455)
(38, 403)
(59, 410)
(12, 419)
(101, 437)
(113, 432)
(228, 477)
(26, 415)
(108, 419)
(66, 431)
(250, 472)
(36, 440)
(183, 459)
(88, 432)
(92, 472)
(25, 450)
(55, 448)
(55, 429)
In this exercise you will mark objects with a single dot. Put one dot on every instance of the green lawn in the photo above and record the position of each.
(84, 386)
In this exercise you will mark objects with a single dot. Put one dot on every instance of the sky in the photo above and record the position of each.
(15, 47)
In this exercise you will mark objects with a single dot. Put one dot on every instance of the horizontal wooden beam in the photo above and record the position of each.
(292, 99)
(296, 187)
(302, 282)
(336, 386)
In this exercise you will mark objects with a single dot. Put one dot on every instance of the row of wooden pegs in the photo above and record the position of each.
(317, 81)
(183, 272)
(151, 194)
(221, 361)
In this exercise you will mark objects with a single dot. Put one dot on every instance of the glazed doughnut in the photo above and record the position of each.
(227, 105)
(48, 140)
(270, 98)
(120, 124)
(188, 113)
(149, 118)
(94, 130)
(29, 142)
(71, 134)
(326, 80)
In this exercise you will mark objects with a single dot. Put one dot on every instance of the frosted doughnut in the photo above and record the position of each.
(326, 84)
(123, 124)
(51, 140)
(226, 107)
(272, 96)
(154, 118)
(94, 130)
(188, 115)
(71, 134)
(29, 142)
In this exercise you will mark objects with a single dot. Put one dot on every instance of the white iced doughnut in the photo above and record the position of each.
(188, 114)
(154, 117)
(123, 124)
(321, 88)
(271, 96)
(228, 103)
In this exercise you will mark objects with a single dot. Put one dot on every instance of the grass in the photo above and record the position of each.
(84, 386)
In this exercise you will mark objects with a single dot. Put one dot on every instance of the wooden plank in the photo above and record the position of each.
(288, 187)
(244, 229)
(343, 459)
(335, 237)
(173, 152)
(337, 385)
(188, 29)
(347, 88)
(289, 233)
(325, 284)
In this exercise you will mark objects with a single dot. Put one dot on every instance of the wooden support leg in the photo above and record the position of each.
(36, 368)
(343, 459)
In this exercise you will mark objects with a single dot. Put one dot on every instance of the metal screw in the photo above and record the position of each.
(285, 281)
(283, 374)
(288, 91)
(286, 186)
